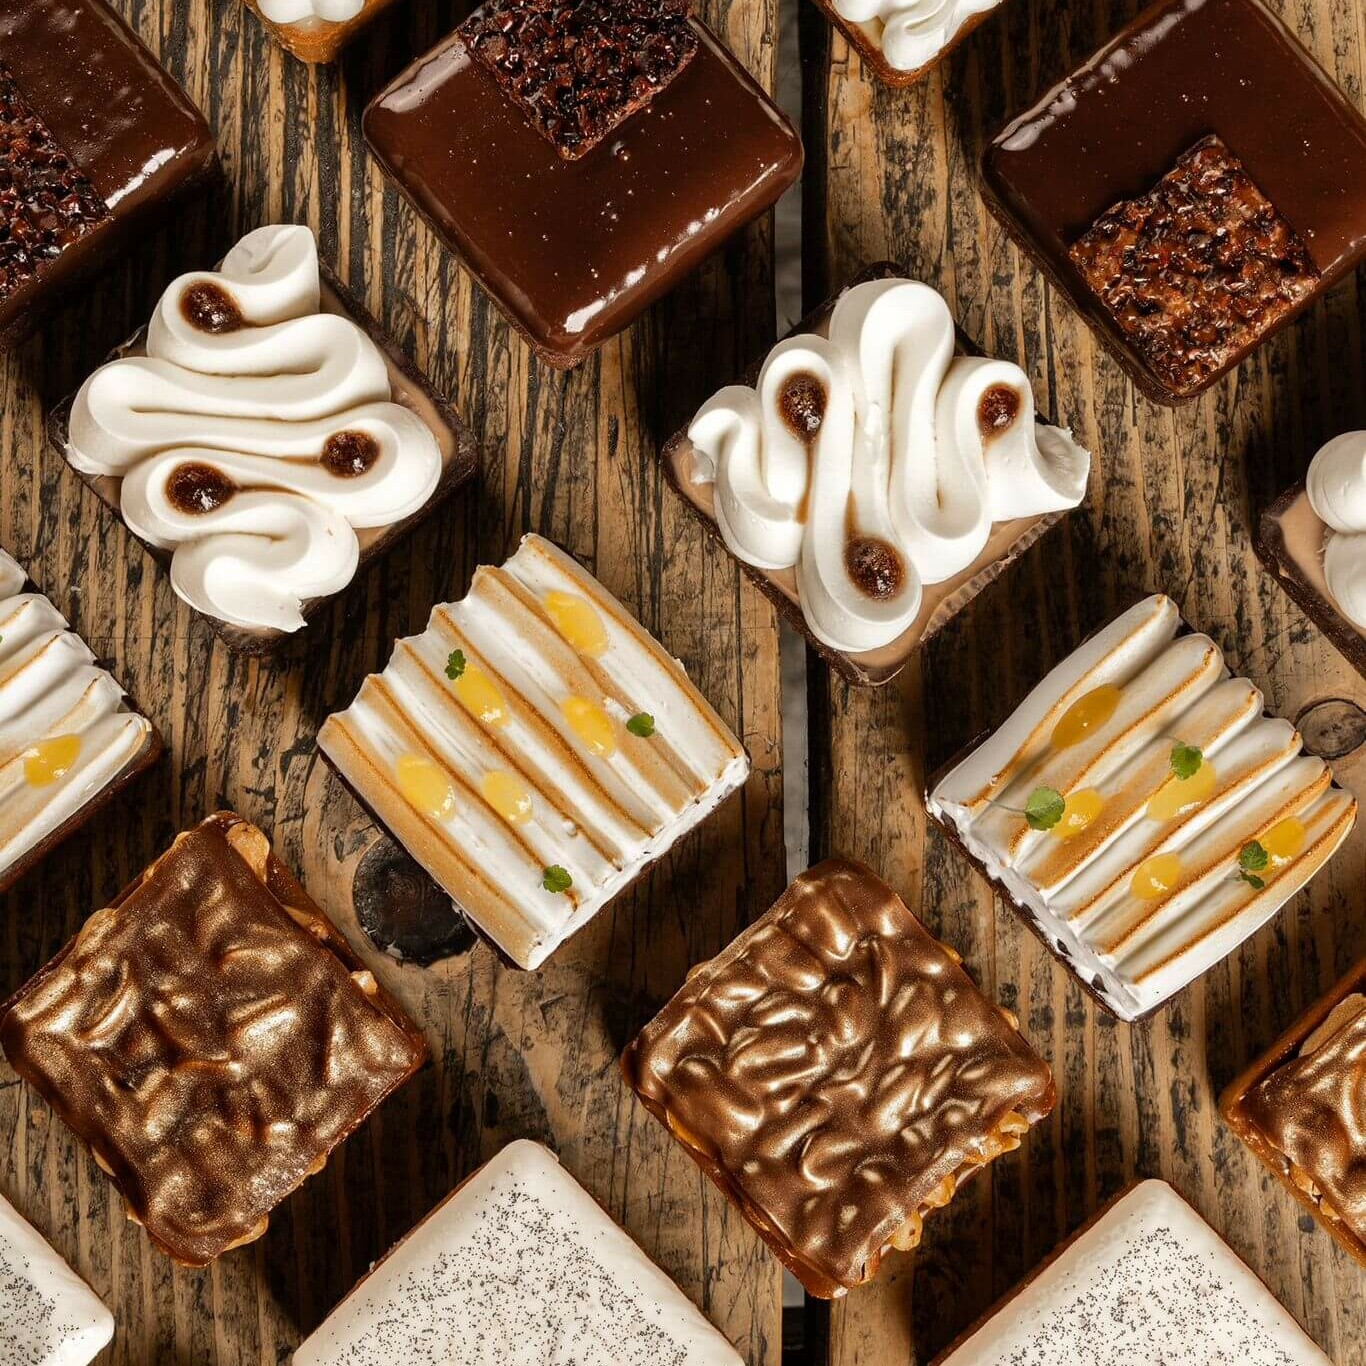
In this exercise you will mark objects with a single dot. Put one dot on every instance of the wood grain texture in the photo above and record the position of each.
(1173, 501)
(572, 456)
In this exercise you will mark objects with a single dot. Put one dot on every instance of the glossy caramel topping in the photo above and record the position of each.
(802, 404)
(348, 455)
(211, 1037)
(836, 1071)
(195, 488)
(1087, 714)
(578, 621)
(997, 409)
(50, 760)
(875, 568)
(210, 308)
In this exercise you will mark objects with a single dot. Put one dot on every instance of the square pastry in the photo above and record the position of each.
(901, 41)
(518, 1266)
(263, 438)
(316, 30)
(1301, 1107)
(1189, 246)
(1142, 812)
(1146, 1280)
(48, 1315)
(814, 474)
(1313, 539)
(70, 741)
(535, 750)
(582, 157)
(96, 141)
(837, 1074)
(212, 1038)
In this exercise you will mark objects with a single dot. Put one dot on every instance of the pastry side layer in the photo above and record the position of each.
(838, 1075)
(1140, 887)
(212, 1038)
(1147, 1280)
(48, 1315)
(519, 1266)
(67, 733)
(503, 747)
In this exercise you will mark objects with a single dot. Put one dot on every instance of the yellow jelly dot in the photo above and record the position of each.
(508, 795)
(479, 696)
(49, 760)
(1155, 877)
(1178, 795)
(591, 724)
(425, 786)
(1285, 840)
(1086, 714)
(577, 620)
(1079, 810)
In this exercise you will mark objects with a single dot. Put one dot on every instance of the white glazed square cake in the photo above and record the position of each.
(48, 1315)
(1142, 810)
(519, 1266)
(535, 749)
(1148, 1282)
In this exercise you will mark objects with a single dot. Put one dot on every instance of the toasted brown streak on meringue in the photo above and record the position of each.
(838, 1075)
(211, 1037)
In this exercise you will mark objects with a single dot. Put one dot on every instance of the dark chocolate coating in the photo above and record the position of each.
(573, 251)
(211, 1037)
(1182, 70)
(120, 118)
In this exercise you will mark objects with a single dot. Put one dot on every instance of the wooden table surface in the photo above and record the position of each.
(575, 456)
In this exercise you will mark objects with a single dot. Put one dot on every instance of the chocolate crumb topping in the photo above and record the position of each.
(579, 68)
(802, 403)
(874, 567)
(997, 409)
(46, 202)
(210, 308)
(348, 455)
(195, 488)
(1198, 268)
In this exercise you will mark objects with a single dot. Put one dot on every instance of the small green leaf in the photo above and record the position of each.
(556, 879)
(642, 724)
(1044, 808)
(455, 664)
(1252, 857)
(1253, 880)
(1186, 760)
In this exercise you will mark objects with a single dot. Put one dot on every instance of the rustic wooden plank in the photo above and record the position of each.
(573, 456)
(1171, 507)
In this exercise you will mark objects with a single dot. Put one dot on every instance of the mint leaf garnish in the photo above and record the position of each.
(455, 664)
(642, 724)
(1044, 808)
(556, 879)
(1186, 760)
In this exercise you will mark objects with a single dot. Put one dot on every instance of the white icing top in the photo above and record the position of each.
(302, 11)
(257, 403)
(1149, 1282)
(519, 1267)
(1137, 950)
(602, 817)
(1336, 485)
(51, 688)
(911, 33)
(899, 460)
(48, 1315)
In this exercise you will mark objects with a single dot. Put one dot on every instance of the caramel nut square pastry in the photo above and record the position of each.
(212, 1038)
(838, 1075)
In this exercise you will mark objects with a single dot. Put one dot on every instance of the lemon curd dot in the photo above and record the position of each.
(508, 795)
(1088, 713)
(1155, 877)
(49, 760)
(1284, 840)
(577, 620)
(1179, 795)
(591, 725)
(1079, 811)
(479, 695)
(425, 787)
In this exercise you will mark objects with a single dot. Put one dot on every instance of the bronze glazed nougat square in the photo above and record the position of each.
(838, 1075)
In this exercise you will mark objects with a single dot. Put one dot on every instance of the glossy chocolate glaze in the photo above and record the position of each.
(120, 118)
(574, 250)
(211, 1037)
(837, 1073)
(1182, 70)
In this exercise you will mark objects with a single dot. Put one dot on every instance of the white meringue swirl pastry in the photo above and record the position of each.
(1336, 485)
(875, 461)
(304, 11)
(910, 34)
(255, 436)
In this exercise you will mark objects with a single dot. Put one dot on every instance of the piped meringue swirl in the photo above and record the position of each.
(305, 11)
(1336, 485)
(255, 436)
(911, 33)
(875, 461)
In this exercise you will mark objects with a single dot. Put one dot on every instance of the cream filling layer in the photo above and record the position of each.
(1336, 485)
(911, 33)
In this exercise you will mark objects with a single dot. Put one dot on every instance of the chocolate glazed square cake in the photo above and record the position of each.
(96, 141)
(582, 157)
